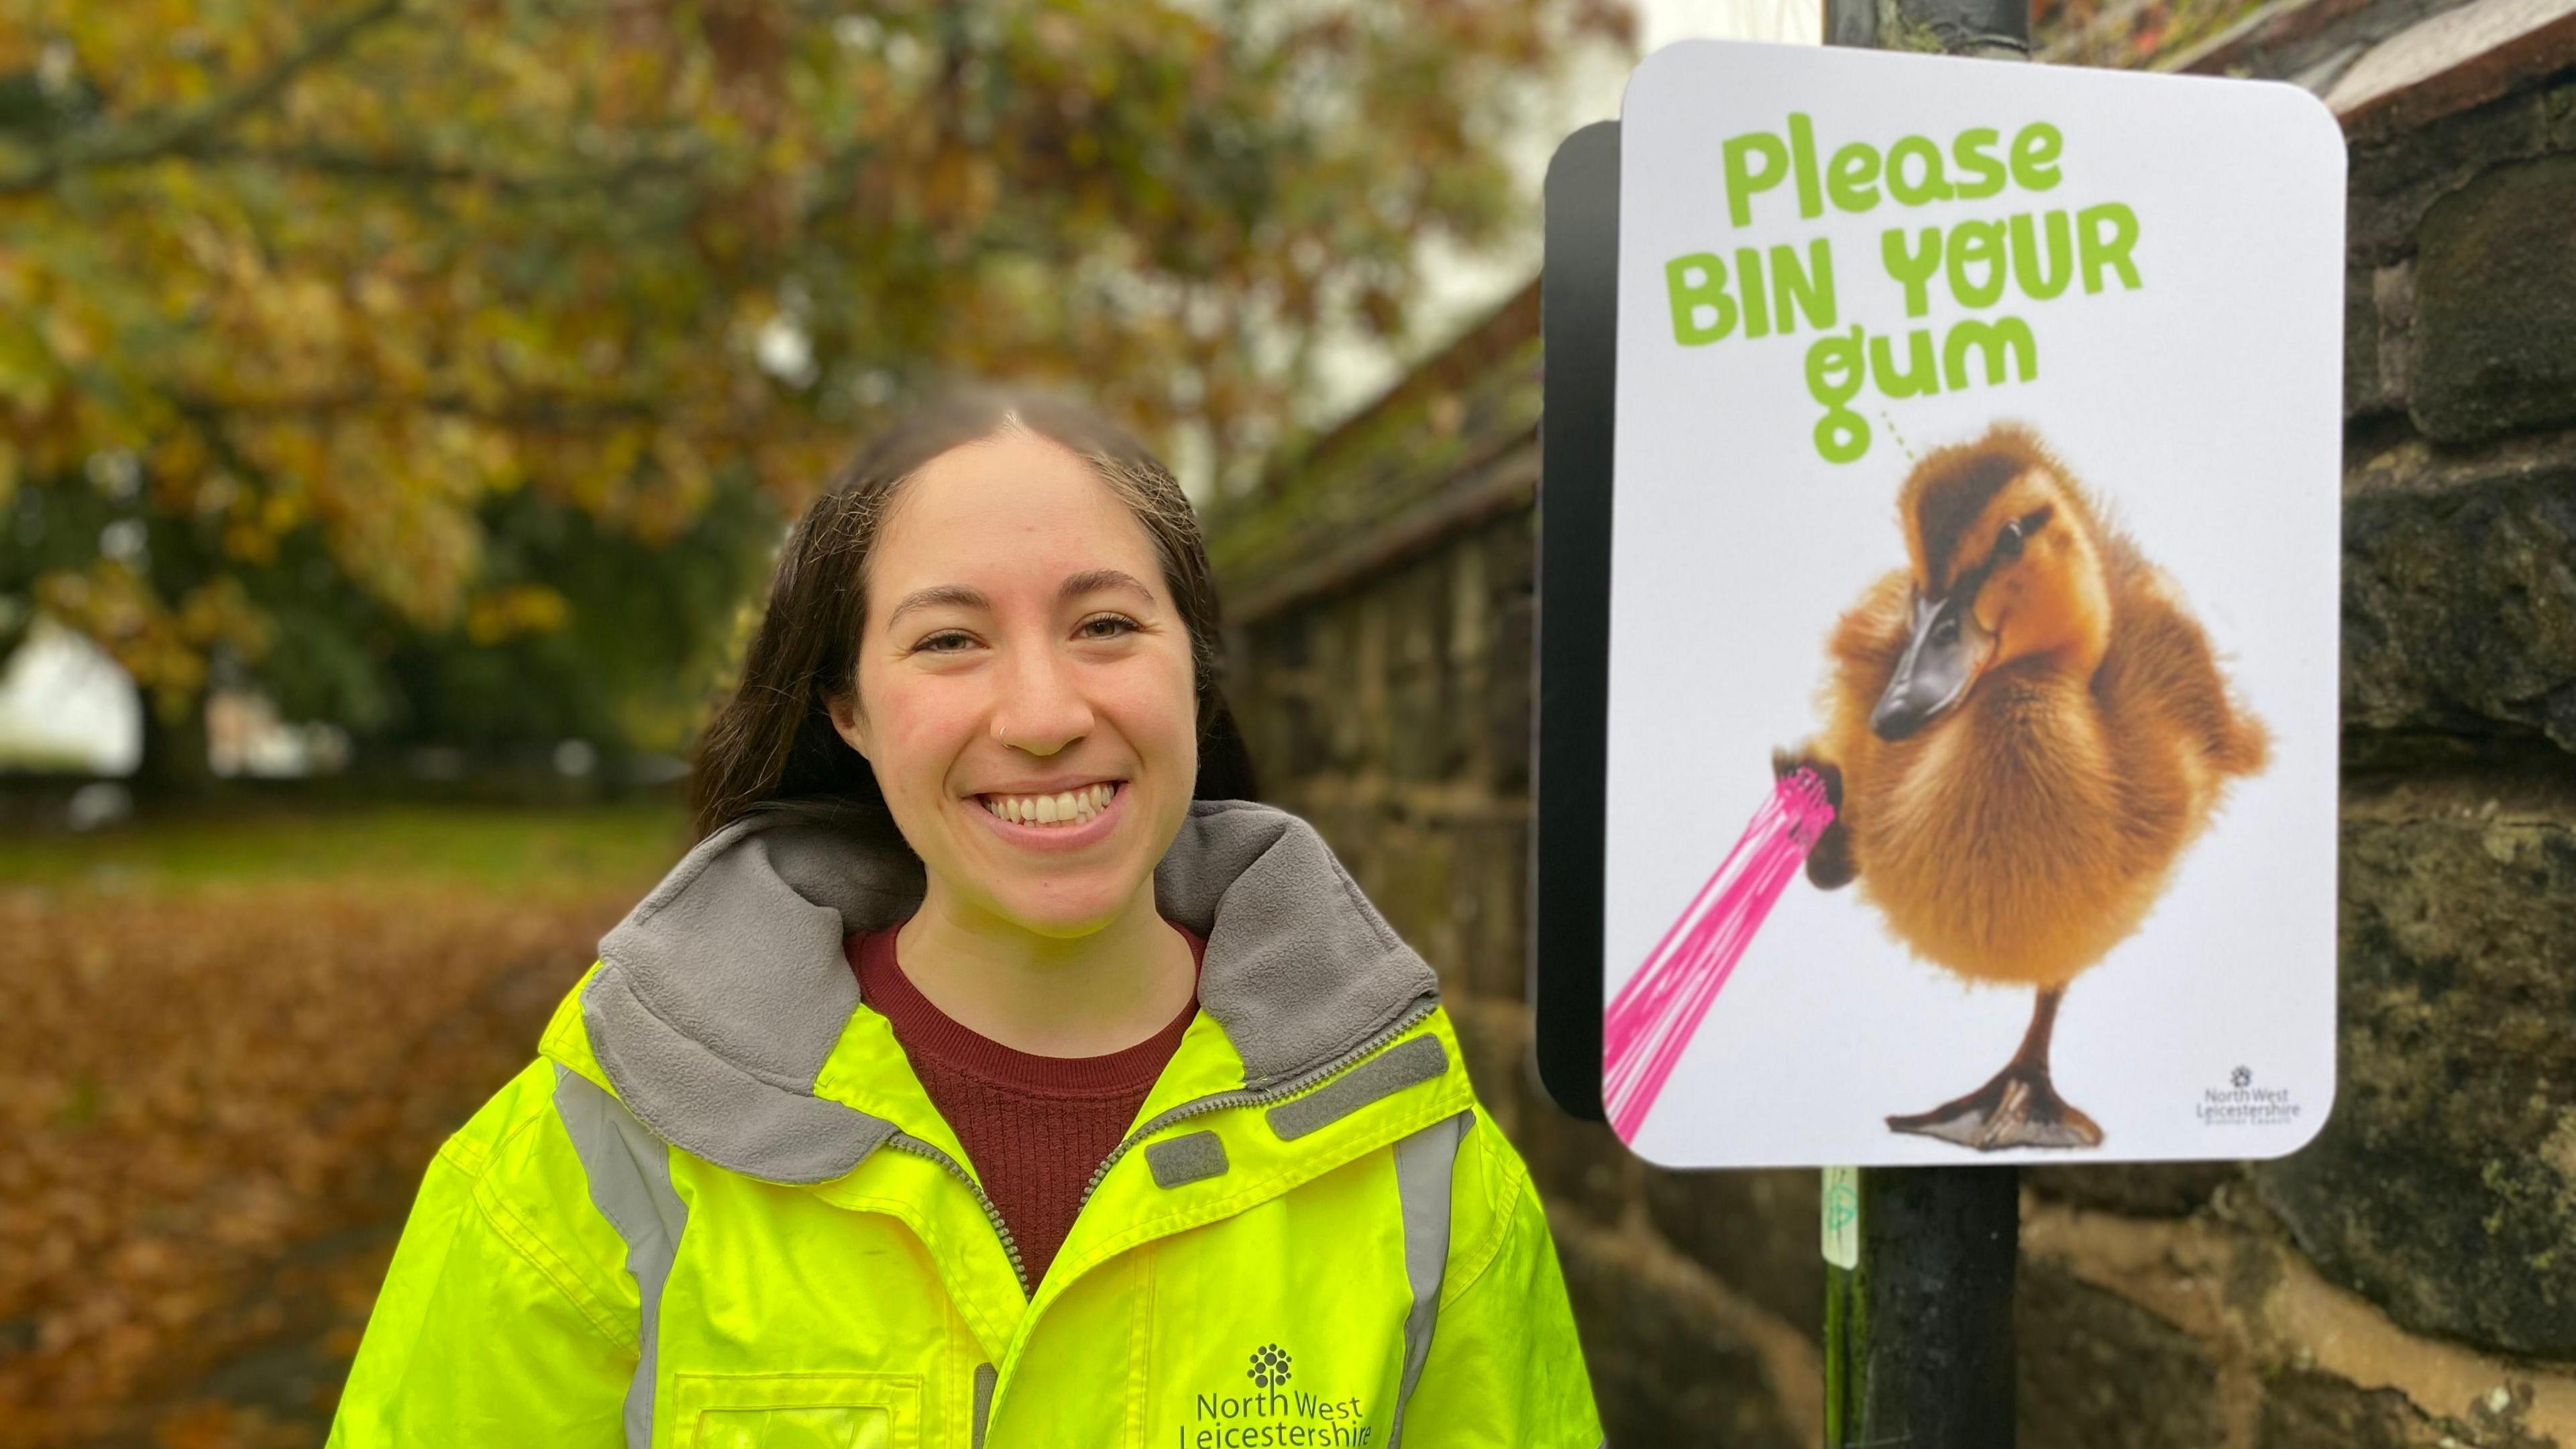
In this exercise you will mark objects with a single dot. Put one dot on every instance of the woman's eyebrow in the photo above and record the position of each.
(1074, 585)
(1095, 580)
(957, 594)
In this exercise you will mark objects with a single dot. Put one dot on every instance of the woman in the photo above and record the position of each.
(970, 1082)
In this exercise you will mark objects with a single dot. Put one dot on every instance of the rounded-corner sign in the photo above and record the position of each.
(1970, 776)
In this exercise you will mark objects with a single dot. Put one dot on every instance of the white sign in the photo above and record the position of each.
(1973, 706)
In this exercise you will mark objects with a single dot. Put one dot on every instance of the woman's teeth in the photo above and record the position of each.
(1071, 807)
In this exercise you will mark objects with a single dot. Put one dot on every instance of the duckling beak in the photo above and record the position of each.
(1940, 662)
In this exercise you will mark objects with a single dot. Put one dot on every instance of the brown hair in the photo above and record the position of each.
(773, 740)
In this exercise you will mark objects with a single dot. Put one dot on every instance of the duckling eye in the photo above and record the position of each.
(2009, 545)
(1947, 631)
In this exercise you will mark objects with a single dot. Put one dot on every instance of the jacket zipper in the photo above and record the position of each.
(1216, 1101)
(906, 1142)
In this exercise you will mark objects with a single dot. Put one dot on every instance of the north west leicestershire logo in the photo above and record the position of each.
(2243, 1077)
(1269, 1366)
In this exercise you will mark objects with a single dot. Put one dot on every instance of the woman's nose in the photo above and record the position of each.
(1041, 708)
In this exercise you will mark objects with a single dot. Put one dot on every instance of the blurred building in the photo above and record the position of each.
(66, 707)
(244, 736)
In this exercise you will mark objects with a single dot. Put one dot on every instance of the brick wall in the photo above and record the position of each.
(2410, 1279)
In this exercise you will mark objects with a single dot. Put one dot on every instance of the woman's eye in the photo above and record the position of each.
(934, 644)
(1119, 624)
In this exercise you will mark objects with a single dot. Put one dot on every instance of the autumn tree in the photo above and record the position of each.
(344, 343)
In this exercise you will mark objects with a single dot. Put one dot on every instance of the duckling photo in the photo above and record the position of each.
(2024, 731)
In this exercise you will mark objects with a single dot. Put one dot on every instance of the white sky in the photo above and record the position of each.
(1460, 290)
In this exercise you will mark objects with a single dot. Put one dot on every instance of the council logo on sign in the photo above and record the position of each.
(2242, 1104)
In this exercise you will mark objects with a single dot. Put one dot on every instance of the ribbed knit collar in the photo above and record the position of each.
(925, 1030)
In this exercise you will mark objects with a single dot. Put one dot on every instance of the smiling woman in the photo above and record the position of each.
(990, 1072)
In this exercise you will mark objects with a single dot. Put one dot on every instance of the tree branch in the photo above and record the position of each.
(523, 411)
(150, 140)
(403, 168)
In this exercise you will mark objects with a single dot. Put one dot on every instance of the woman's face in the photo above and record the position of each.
(1021, 643)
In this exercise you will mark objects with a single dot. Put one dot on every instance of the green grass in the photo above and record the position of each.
(506, 848)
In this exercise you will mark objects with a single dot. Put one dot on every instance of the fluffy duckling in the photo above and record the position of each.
(2024, 730)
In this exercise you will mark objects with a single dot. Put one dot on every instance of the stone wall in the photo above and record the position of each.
(2408, 1280)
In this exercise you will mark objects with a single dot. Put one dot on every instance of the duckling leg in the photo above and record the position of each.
(2019, 1107)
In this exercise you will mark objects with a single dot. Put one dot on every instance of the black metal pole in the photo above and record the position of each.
(1919, 1340)
(1921, 1260)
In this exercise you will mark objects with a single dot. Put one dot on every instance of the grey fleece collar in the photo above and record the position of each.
(722, 992)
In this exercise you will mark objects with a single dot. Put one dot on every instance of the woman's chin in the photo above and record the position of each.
(1059, 917)
(1062, 901)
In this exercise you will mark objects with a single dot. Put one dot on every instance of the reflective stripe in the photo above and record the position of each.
(1381, 1076)
(1422, 1164)
(983, 1400)
(629, 1170)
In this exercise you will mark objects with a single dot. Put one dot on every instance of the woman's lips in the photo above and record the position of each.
(1053, 838)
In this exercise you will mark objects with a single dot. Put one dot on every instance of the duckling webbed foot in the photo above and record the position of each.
(2018, 1108)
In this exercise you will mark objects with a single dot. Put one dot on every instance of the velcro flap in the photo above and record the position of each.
(1190, 1157)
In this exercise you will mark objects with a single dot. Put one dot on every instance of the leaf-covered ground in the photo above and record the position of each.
(227, 1053)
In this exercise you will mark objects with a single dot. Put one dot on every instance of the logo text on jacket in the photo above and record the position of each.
(1273, 1416)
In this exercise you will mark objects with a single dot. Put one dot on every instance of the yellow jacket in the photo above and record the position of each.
(720, 1210)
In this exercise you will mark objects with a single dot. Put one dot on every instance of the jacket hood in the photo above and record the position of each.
(720, 996)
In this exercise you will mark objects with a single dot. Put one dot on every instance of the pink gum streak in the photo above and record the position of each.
(1655, 1014)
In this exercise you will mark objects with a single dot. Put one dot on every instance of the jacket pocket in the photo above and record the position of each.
(796, 1411)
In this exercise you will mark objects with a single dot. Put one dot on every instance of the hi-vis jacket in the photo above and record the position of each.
(719, 1209)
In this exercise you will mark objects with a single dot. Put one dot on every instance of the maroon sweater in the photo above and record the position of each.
(1034, 1127)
